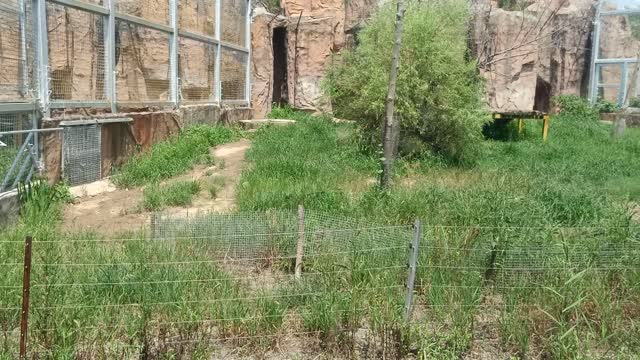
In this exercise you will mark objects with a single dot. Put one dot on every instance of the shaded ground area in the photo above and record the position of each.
(102, 208)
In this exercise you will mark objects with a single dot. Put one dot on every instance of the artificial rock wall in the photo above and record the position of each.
(527, 55)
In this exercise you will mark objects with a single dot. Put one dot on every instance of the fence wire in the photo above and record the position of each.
(157, 11)
(233, 74)
(16, 51)
(209, 284)
(197, 16)
(143, 71)
(196, 70)
(77, 66)
(234, 20)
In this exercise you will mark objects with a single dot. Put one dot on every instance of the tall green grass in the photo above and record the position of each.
(177, 193)
(175, 156)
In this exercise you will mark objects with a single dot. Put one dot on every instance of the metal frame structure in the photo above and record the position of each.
(35, 83)
(172, 30)
(598, 63)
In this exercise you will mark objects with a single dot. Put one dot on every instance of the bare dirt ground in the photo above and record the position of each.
(104, 209)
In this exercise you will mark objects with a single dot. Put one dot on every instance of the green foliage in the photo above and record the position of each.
(605, 106)
(214, 185)
(173, 157)
(634, 102)
(302, 163)
(179, 193)
(40, 202)
(576, 107)
(439, 90)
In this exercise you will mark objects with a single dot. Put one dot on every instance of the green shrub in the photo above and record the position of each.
(173, 157)
(605, 106)
(575, 106)
(439, 89)
(634, 102)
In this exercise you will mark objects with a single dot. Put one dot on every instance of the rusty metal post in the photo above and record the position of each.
(26, 284)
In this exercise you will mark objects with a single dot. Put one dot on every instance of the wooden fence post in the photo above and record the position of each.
(413, 267)
(300, 248)
(26, 286)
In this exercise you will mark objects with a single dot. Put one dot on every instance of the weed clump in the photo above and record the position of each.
(179, 193)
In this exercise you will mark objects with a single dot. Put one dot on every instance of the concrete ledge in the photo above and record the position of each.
(257, 123)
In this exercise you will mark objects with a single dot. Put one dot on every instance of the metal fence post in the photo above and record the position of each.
(248, 46)
(173, 56)
(42, 54)
(110, 56)
(26, 283)
(217, 82)
(413, 266)
(300, 247)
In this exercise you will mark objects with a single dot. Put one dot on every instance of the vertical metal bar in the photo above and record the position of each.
(24, 77)
(595, 54)
(26, 287)
(216, 76)
(248, 46)
(413, 266)
(300, 247)
(110, 56)
(622, 93)
(42, 54)
(173, 53)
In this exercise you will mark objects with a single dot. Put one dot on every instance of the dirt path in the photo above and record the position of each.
(104, 209)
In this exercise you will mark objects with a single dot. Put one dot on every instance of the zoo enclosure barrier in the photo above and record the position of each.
(212, 281)
(109, 56)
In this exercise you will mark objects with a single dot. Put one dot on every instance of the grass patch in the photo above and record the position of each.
(179, 193)
(215, 185)
(175, 156)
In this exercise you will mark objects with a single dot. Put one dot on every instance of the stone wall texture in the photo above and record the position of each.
(527, 55)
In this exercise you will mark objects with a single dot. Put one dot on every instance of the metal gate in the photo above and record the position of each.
(81, 153)
(18, 149)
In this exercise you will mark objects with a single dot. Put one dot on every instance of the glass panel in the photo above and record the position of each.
(610, 94)
(142, 64)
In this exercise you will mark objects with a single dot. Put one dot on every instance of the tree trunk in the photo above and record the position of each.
(389, 128)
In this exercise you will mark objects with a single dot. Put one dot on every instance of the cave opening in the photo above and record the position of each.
(542, 100)
(280, 90)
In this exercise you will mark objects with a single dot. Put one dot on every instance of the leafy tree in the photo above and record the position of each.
(439, 94)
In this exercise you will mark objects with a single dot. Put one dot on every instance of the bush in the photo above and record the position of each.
(575, 107)
(634, 102)
(605, 106)
(439, 89)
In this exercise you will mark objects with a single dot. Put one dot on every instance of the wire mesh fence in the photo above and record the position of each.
(196, 70)
(195, 16)
(211, 284)
(143, 73)
(77, 66)
(233, 74)
(16, 51)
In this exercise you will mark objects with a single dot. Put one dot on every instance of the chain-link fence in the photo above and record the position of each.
(289, 284)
